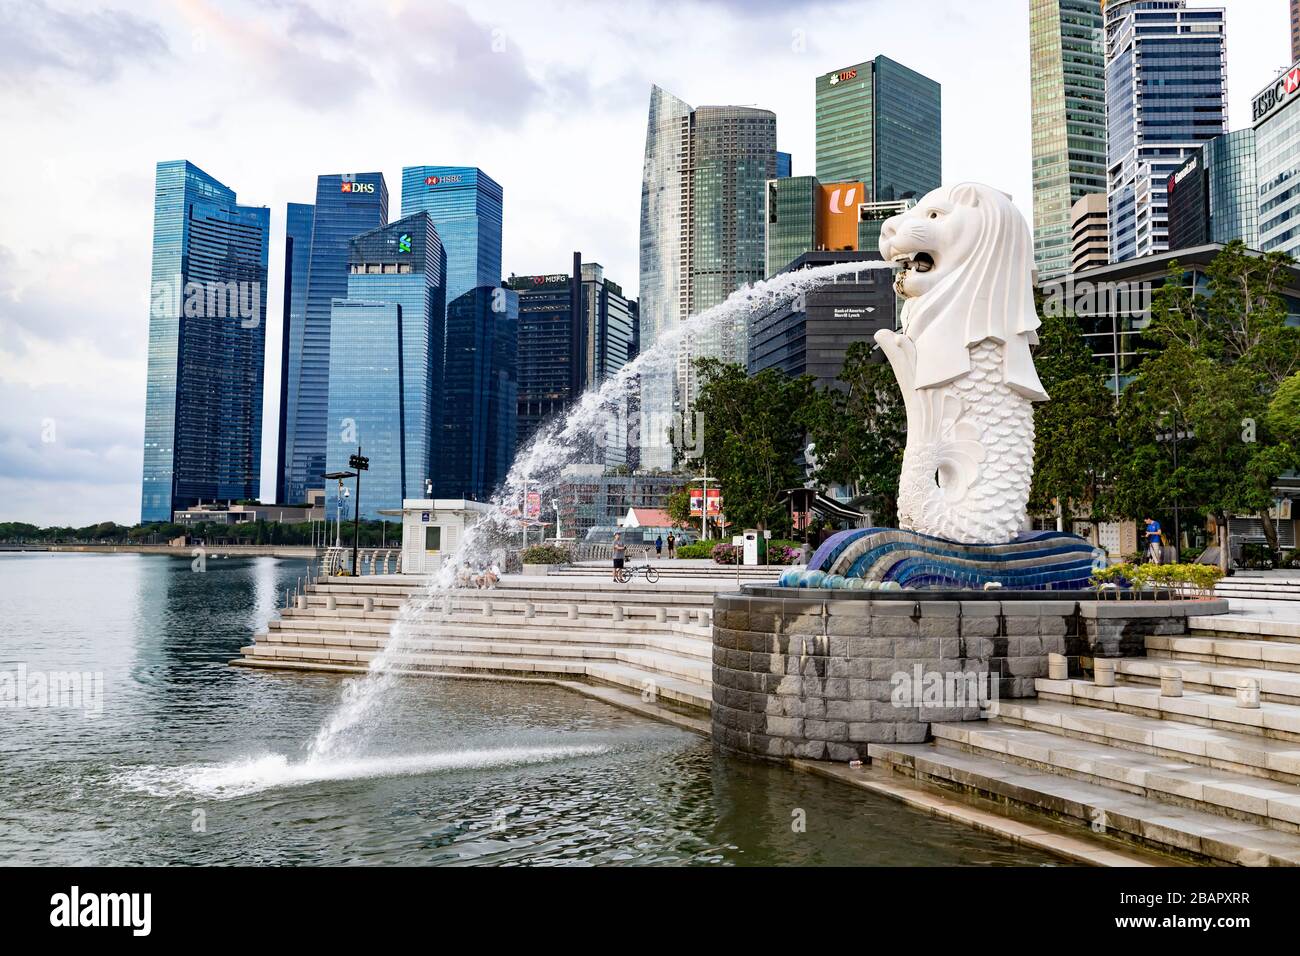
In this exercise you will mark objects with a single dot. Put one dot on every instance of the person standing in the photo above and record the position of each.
(1154, 540)
(620, 552)
(659, 546)
(672, 545)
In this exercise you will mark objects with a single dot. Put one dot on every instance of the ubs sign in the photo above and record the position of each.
(1276, 95)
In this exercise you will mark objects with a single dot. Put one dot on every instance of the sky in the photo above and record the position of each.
(548, 96)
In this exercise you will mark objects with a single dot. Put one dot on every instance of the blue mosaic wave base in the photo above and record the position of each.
(888, 558)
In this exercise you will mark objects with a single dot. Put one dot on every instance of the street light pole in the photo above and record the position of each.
(360, 464)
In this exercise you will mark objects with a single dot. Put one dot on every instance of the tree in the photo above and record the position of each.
(1074, 432)
(753, 430)
(678, 506)
(860, 431)
(1198, 424)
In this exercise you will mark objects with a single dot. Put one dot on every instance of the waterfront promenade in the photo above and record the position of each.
(1180, 766)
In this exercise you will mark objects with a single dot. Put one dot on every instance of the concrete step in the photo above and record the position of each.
(1249, 754)
(1218, 792)
(1258, 590)
(1104, 810)
(644, 677)
(697, 623)
(1270, 719)
(1268, 655)
(1280, 686)
(625, 632)
(1247, 626)
(688, 649)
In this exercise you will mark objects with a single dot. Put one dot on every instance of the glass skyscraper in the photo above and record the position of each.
(465, 205)
(403, 265)
(575, 331)
(346, 205)
(1213, 196)
(879, 123)
(1165, 96)
(297, 254)
(1067, 79)
(480, 393)
(207, 341)
(703, 235)
(1275, 111)
(367, 385)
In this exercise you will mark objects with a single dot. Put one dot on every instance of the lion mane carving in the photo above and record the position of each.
(963, 363)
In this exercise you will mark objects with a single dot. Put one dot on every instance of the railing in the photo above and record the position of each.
(370, 561)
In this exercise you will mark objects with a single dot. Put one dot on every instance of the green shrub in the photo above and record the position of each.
(697, 549)
(1200, 578)
(545, 554)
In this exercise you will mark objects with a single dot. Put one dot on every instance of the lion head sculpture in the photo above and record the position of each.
(966, 255)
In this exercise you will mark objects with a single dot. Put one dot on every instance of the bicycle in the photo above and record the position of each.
(626, 574)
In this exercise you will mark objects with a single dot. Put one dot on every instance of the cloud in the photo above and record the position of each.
(297, 53)
(37, 39)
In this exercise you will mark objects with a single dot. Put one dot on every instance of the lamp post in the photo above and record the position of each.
(704, 502)
(360, 464)
(338, 503)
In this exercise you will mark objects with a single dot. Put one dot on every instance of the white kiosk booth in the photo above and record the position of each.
(433, 527)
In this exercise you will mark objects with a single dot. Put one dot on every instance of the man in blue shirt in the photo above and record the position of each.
(1154, 536)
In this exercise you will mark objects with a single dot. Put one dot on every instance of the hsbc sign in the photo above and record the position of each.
(441, 180)
(1276, 95)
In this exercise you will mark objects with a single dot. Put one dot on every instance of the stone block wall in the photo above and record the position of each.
(813, 674)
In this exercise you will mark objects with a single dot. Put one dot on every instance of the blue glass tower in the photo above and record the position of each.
(480, 384)
(386, 362)
(207, 341)
(366, 388)
(346, 205)
(1165, 96)
(297, 253)
(465, 205)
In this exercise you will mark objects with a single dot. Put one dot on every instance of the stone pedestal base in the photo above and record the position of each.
(813, 675)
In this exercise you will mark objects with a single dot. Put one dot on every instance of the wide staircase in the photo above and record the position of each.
(1202, 773)
(1261, 586)
(649, 643)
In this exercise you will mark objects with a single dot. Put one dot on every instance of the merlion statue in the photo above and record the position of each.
(963, 363)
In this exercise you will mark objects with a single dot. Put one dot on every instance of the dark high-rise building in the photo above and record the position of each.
(207, 341)
(1068, 102)
(347, 205)
(1213, 196)
(480, 393)
(386, 362)
(784, 162)
(1165, 96)
(810, 335)
(465, 205)
(879, 123)
(575, 331)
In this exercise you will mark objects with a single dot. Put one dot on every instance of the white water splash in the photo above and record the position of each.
(538, 467)
(270, 771)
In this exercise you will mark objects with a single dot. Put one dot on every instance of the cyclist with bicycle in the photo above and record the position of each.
(620, 552)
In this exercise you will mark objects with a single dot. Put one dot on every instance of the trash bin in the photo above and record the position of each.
(752, 538)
